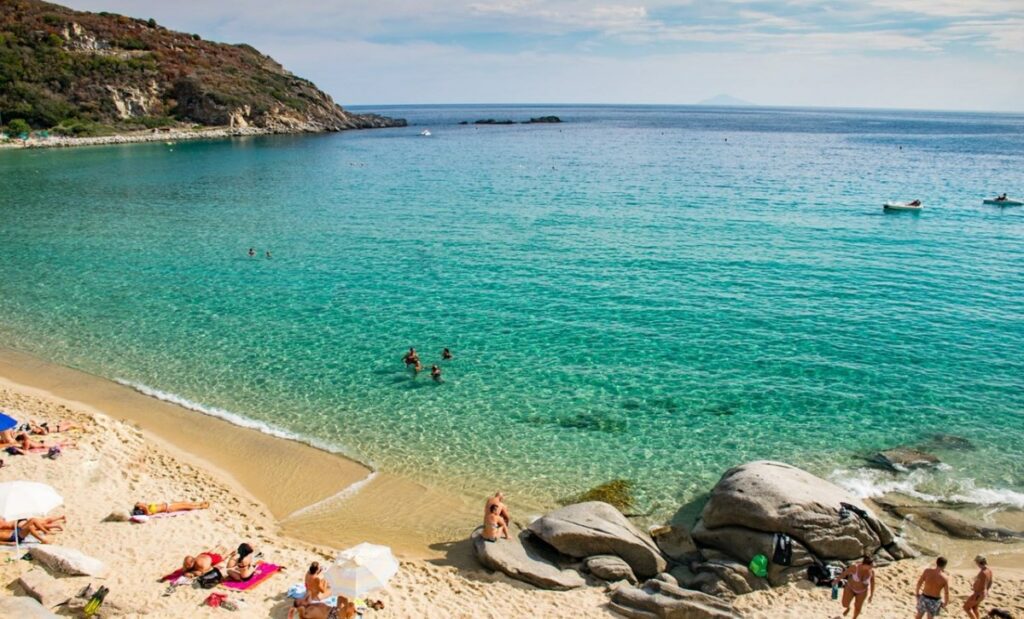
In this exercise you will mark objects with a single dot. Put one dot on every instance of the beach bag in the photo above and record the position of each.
(211, 579)
(783, 554)
(759, 566)
(819, 574)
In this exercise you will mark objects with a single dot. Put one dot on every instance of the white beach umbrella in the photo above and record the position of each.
(26, 499)
(361, 569)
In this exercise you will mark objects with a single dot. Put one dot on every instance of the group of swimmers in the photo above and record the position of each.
(252, 252)
(932, 590)
(412, 359)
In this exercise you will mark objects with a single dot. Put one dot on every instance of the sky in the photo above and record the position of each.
(917, 54)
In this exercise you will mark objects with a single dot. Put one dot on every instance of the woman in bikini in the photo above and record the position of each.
(493, 523)
(344, 609)
(151, 509)
(201, 563)
(12, 533)
(242, 563)
(982, 584)
(860, 585)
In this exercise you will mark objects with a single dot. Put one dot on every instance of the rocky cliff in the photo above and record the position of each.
(93, 73)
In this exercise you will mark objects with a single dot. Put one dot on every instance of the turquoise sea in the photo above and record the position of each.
(647, 293)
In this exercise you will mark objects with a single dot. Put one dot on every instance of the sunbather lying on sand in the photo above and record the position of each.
(11, 535)
(242, 563)
(46, 428)
(23, 445)
(151, 509)
(202, 562)
(345, 609)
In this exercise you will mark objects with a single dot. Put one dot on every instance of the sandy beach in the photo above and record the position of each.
(290, 501)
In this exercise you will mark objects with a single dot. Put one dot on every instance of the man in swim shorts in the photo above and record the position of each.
(932, 590)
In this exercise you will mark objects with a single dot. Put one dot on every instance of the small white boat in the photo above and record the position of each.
(902, 206)
(426, 133)
(1003, 202)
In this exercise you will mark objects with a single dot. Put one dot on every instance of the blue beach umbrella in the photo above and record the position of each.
(7, 422)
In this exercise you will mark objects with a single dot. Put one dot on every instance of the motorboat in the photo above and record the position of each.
(1001, 201)
(903, 206)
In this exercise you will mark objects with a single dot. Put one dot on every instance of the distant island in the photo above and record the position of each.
(532, 121)
(726, 101)
(79, 74)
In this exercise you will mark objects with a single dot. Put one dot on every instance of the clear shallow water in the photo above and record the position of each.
(645, 293)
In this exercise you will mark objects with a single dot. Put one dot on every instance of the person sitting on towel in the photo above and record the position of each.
(201, 563)
(242, 563)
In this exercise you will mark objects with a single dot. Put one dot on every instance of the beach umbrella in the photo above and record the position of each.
(7, 422)
(361, 569)
(26, 499)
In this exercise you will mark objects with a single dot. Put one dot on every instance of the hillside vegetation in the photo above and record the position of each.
(93, 73)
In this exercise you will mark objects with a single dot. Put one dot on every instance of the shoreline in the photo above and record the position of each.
(316, 496)
(147, 135)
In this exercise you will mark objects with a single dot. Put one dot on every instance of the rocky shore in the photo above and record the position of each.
(764, 525)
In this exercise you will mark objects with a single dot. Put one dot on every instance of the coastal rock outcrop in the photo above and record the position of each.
(43, 588)
(24, 608)
(948, 522)
(658, 599)
(610, 568)
(772, 497)
(905, 459)
(522, 558)
(743, 544)
(68, 561)
(595, 528)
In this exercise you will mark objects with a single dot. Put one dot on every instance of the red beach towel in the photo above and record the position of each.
(173, 575)
(263, 571)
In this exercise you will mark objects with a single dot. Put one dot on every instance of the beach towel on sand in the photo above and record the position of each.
(263, 571)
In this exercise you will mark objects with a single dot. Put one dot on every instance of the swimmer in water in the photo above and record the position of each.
(411, 358)
(446, 354)
(268, 253)
(435, 373)
(252, 252)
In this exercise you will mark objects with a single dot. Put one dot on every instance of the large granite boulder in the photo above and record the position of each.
(743, 544)
(658, 599)
(772, 497)
(595, 528)
(674, 541)
(43, 588)
(523, 558)
(610, 568)
(68, 561)
(24, 608)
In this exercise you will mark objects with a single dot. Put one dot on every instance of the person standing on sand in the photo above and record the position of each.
(932, 584)
(982, 584)
(860, 580)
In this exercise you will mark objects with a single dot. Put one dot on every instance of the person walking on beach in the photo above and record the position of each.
(982, 584)
(932, 590)
(860, 585)
(435, 373)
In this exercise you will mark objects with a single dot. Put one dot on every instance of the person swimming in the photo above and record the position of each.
(446, 354)
(412, 358)
(268, 253)
(435, 373)
(252, 252)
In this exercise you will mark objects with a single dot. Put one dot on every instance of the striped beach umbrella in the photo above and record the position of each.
(361, 569)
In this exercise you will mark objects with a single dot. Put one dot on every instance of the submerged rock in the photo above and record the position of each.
(772, 497)
(950, 523)
(905, 459)
(658, 599)
(522, 558)
(595, 528)
(618, 493)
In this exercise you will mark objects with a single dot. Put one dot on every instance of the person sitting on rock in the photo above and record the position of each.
(493, 523)
(860, 580)
(499, 500)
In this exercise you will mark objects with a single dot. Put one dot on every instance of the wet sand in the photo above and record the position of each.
(315, 495)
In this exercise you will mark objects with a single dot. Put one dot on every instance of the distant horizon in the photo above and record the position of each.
(966, 55)
(704, 105)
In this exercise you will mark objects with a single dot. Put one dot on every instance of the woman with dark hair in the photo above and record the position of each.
(242, 563)
(860, 579)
